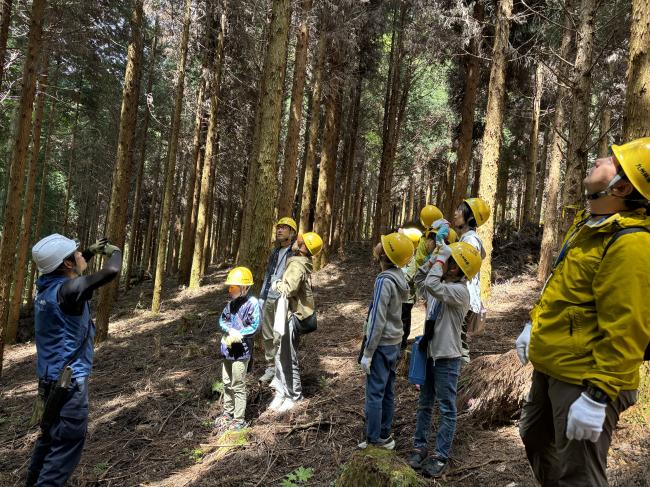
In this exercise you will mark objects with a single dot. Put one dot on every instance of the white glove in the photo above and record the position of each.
(366, 362)
(234, 335)
(586, 419)
(444, 253)
(523, 342)
(274, 285)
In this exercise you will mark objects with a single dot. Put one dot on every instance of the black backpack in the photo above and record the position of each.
(615, 237)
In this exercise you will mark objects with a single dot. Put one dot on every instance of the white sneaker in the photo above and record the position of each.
(287, 405)
(268, 375)
(277, 401)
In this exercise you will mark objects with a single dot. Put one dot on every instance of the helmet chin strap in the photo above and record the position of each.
(607, 191)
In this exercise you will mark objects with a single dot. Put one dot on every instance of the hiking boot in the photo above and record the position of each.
(417, 457)
(434, 467)
(238, 425)
(387, 443)
(277, 401)
(268, 375)
(287, 405)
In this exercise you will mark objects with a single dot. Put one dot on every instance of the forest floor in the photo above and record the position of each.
(152, 405)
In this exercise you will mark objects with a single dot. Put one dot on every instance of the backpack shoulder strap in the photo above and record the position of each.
(620, 233)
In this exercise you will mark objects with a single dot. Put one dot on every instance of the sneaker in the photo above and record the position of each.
(277, 401)
(238, 425)
(287, 405)
(268, 375)
(434, 467)
(417, 457)
(387, 443)
(223, 421)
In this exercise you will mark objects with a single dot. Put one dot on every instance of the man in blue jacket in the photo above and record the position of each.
(65, 336)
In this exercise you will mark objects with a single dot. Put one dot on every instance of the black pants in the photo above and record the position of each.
(58, 450)
(406, 322)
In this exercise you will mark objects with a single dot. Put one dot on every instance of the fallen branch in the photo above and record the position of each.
(305, 426)
(170, 415)
(474, 467)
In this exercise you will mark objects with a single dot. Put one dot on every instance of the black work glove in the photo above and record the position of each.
(98, 246)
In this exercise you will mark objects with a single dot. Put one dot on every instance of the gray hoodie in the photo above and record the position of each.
(384, 324)
(453, 297)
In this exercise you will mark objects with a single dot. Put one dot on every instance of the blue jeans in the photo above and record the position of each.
(440, 386)
(58, 451)
(380, 392)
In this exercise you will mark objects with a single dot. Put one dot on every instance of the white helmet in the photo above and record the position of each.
(49, 252)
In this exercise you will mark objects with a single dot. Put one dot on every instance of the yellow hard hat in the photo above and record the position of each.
(480, 210)
(453, 236)
(467, 257)
(634, 158)
(313, 242)
(288, 221)
(398, 248)
(240, 276)
(413, 234)
(429, 214)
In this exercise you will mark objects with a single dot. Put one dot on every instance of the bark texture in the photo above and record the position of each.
(170, 170)
(493, 135)
(285, 204)
(550, 234)
(15, 190)
(255, 242)
(119, 202)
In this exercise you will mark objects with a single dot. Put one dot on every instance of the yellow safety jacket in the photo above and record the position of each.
(592, 320)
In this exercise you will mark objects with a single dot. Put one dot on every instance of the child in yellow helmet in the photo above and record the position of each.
(295, 286)
(443, 279)
(239, 321)
(471, 214)
(383, 332)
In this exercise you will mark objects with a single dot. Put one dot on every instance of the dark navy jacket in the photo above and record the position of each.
(59, 335)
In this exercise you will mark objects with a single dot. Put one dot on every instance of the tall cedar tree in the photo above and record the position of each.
(465, 142)
(579, 137)
(255, 247)
(209, 163)
(198, 139)
(312, 134)
(170, 170)
(327, 175)
(492, 137)
(390, 132)
(533, 149)
(637, 110)
(14, 198)
(119, 202)
(23, 243)
(285, 204)
(550, 234)
(5, 22)
(137, 199)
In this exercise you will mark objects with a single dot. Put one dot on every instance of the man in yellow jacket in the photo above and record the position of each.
(591, 326)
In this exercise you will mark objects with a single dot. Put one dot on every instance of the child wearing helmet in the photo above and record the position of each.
(383, 336)
(471, 214)
(295, 286)
(433, 221)
(444, 279)
(239, 321)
